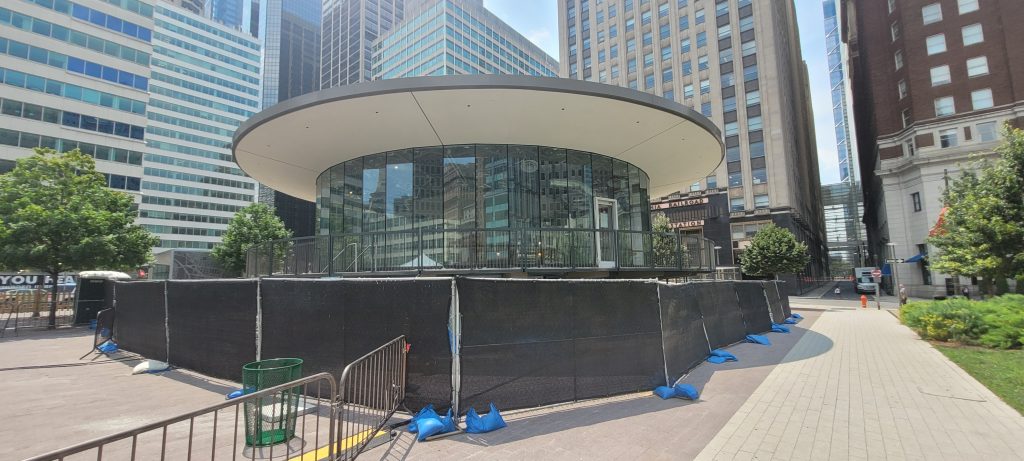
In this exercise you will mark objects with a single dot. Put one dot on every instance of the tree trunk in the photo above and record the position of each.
(52, 323)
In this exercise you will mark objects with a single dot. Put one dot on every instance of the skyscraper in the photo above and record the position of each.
(77, 75)
(843, 201)
(349, 29)
(193, 6)
(933, 83)
(738, 63)
(237, 14)
(290, 36)
(205, 81)
(450, 37)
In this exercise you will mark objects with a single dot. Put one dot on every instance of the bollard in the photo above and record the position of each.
(863, 301)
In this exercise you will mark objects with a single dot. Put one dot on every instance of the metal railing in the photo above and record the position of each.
(435, 250)
(30, 308)
(371, 390)
(213, 432)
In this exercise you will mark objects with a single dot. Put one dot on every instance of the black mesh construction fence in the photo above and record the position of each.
(774, 302)
(331, 323)
(754, 307)
(682, 329)
(786, 310)
(212, 325)
(720, 308)
(534, 342)
(140, 325)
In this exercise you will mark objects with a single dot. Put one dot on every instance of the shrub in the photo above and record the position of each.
(997, 322)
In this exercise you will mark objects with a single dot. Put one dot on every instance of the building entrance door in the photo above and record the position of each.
(607, 214)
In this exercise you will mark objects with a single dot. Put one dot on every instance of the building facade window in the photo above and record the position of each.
(902, 88)
(736, 204)
(712, 181)
(898, 59)
(892, 6)
(967, 6)
(931, 13)
(908, 148)
(915, 198)
(736, 179)
(940, 75)
(907, 119)
(977, 66)
(948, 138)
(987, 132)
(936, 44)
(894, 31)
(944, 106)
(759, 175)
(982, 99)
(761, 201)
(973, 34)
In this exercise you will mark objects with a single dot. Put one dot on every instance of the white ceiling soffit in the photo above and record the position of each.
(287, 146)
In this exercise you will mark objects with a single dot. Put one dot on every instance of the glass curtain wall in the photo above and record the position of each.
(483, 186)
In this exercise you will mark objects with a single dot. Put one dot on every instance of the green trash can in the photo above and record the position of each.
(271, 419)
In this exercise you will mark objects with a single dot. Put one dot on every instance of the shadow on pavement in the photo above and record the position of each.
(525, 424)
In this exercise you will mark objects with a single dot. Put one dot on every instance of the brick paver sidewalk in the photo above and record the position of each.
(869, 389)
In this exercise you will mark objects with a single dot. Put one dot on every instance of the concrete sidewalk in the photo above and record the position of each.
(876, 392)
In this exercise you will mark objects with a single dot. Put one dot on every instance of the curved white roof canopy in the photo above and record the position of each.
(287, 146)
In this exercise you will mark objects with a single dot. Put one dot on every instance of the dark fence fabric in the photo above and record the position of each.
(331, 323)
(682, 328)
(140, 323)
(720, 310)
(787, 312)
(534, 342)
(774, 302)
(523, 343)
(754, 307)
(212, 325)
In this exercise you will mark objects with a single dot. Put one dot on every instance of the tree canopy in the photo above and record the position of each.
(982, 228)
(252, 225)
(774, 250)
(57, 215)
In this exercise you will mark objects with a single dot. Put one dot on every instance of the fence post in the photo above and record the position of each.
(679, 250)
(270, 257)
(330, 255)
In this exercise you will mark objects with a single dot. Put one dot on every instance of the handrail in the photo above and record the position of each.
(101, 441)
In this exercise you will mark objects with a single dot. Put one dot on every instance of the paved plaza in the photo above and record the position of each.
(847, 383)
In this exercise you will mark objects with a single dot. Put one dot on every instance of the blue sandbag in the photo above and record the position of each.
(758, 339)
(779, 328)
(476, 424)
(107, 347)
(716, 359)
(790, 321)
(796, 316)
(686, 391)
(426, 412)
(724, 354)
(427, 427)
(664, 392)
(448, 423)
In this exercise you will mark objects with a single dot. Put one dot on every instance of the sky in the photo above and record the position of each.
(538, 21)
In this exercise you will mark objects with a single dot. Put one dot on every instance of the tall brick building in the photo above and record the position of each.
(933, 82)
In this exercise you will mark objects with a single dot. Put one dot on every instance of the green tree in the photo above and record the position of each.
(57, 215)
(982, 228)
(252, 225)
(774, 250)
(664, 240)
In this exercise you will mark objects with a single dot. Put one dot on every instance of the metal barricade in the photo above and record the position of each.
(218, 431)
(372, 388)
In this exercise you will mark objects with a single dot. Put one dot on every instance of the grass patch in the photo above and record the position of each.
(1002, 371)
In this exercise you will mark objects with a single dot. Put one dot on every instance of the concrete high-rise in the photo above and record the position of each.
(349, 29)
(452, 37)
(933, 81)
(77, 75)
(290, 38)
(205, 81)
(739, 63)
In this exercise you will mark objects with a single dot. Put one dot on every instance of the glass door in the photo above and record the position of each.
(607, 214)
